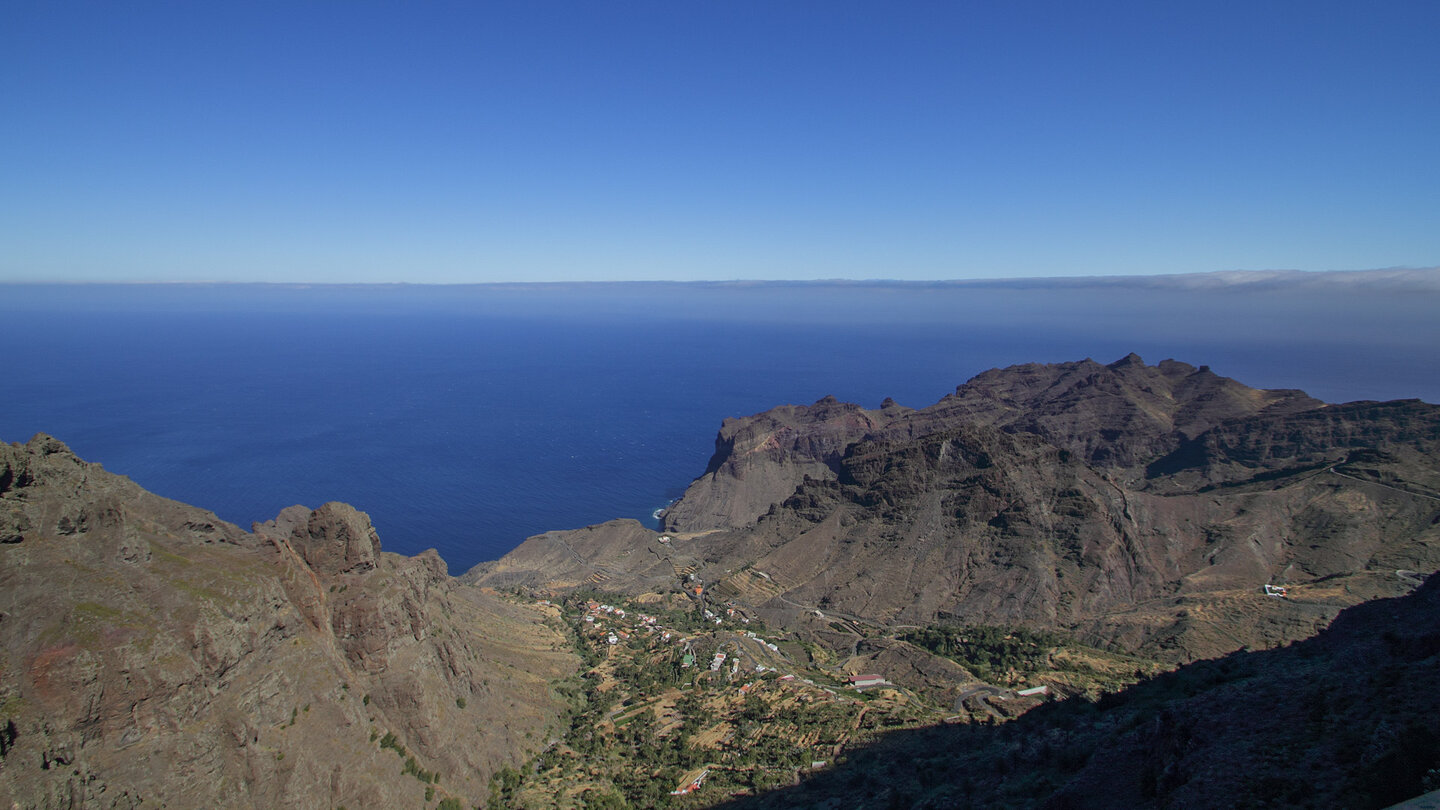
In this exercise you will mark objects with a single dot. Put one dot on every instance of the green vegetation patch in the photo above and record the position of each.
(989, 651)
(641, 724)
(1015, 654)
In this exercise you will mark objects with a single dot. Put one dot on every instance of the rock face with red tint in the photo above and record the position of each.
(152, 654)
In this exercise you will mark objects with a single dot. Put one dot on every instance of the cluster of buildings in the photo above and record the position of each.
(768, 645)
(596, 613)
(623, 625)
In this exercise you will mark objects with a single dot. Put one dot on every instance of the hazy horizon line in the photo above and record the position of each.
(1428, 277)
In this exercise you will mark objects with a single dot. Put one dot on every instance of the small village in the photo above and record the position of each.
(687, 698)
(682, 700)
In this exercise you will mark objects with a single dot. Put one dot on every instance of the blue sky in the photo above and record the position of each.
(627, 140)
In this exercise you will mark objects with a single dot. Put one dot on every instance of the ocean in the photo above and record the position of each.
(468, 418)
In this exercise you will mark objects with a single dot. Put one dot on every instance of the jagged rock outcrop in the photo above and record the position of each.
(337, 539)
(152, 655)
(48, 492)
(762, 458)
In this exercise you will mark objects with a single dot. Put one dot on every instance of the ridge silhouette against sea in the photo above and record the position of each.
(468, 418)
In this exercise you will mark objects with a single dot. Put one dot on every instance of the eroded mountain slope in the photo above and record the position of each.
(1140, 506)
(154, 655)
(1112, 416)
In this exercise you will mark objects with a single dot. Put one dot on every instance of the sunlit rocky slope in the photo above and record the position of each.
(1141, 507)
(152, 655)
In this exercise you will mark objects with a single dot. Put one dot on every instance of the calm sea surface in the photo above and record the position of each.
(468, 418)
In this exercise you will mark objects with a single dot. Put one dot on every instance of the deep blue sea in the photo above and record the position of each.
(468, 418)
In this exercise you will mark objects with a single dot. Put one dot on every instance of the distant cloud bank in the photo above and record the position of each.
(1408, 278)
(1401, 278)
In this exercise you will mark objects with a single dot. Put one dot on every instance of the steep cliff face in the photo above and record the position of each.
(762, 458)
(262, 669)
(1114, 416)
(1139, 506)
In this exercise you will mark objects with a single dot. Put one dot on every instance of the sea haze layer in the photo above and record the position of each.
(468, 418)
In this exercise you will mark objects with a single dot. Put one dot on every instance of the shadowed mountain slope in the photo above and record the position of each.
(1341, 720)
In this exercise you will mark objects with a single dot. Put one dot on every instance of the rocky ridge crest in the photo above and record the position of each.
(260, 667)
(1139, 506)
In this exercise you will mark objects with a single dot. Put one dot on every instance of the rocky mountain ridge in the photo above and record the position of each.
(1139, 506)
(153, 655)
(1112, 416)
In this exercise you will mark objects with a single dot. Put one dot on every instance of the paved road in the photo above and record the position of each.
(1378, 484)
(1412, 577)
(989, 691)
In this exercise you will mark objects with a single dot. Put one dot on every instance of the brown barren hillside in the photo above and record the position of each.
(1139, 506)
(153, 655)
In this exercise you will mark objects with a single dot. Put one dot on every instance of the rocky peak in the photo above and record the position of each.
(772, 453)
(283, 525)
(1128, 361)
(48, 492)
(1117, 415)
(336, 539)
(43, 454)
(43, 444)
